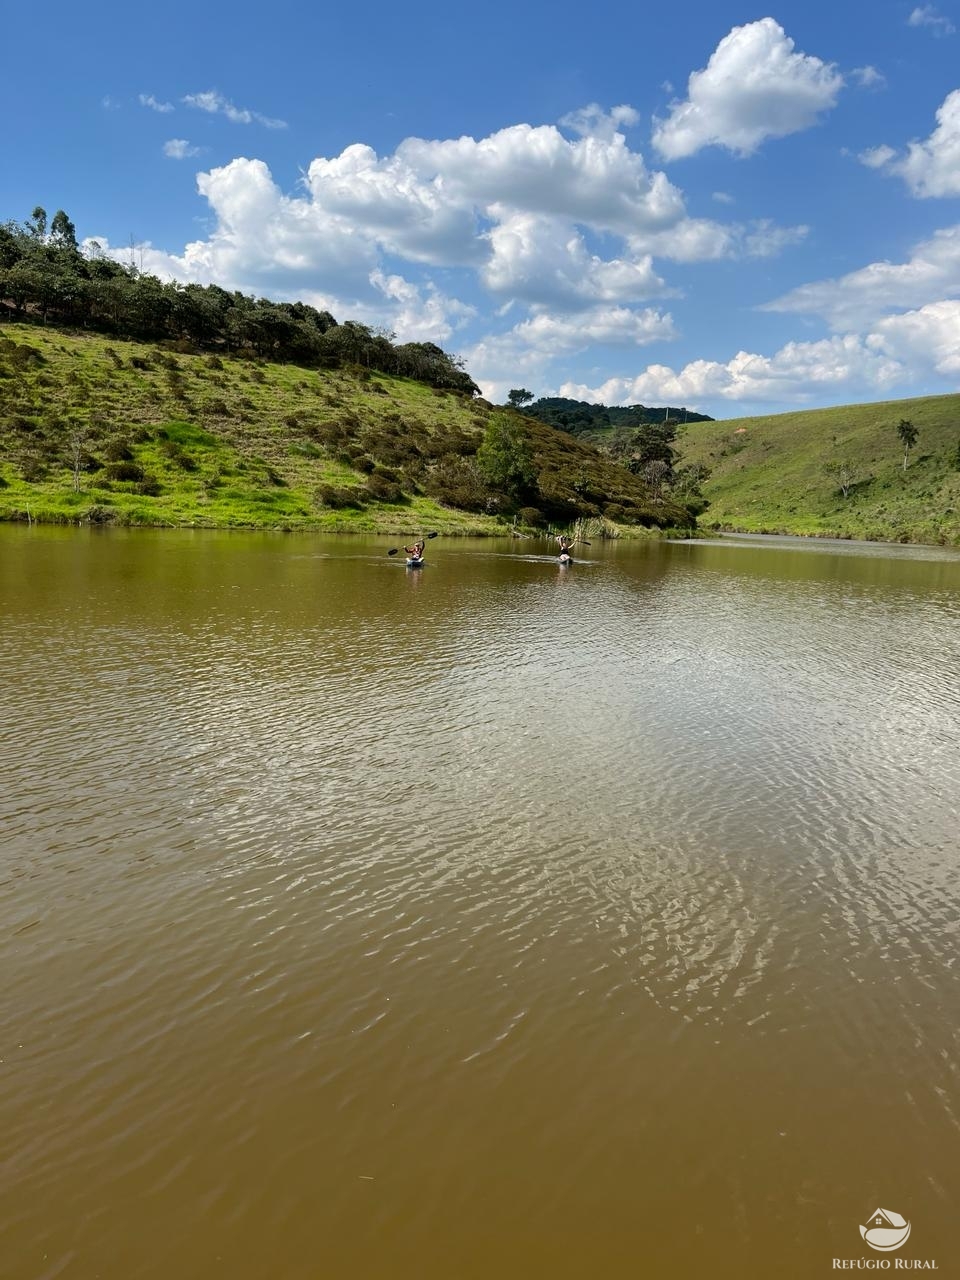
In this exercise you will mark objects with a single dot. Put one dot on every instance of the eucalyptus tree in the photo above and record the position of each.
(908, 437)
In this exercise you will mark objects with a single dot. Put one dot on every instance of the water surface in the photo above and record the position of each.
(491, 918)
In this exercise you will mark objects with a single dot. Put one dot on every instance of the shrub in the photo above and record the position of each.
(117, 450)
(177, 455)
(530, 516)
(326, 495)
(383, 490)
(33, 469)
(131, 471)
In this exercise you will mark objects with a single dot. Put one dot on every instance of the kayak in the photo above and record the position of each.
(566, 557)
(414, 562)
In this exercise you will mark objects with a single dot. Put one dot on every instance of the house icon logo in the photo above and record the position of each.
(885, 1230)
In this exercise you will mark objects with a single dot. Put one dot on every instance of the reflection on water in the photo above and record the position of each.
(489, 917)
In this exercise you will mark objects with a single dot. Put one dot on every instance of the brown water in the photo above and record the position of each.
(491, 919)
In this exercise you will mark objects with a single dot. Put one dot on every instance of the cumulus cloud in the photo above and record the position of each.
(861, 298)
(542, 260)
(927, 16)
(595, 180)
(412, 214)
(613, 326)
(929, 336)
(798, 372)
(214, 103)
(419, 314)
(148, 100)
(526, 353)
(179, 149)
(754, 87)
(931, 167)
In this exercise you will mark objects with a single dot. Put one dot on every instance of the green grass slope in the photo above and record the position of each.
(96, 429)
(787, 473)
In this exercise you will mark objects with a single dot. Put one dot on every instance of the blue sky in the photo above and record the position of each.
(737, 210)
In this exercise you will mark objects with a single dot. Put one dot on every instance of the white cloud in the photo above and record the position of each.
(701, 240)
(754, 87)
(541, 260)
(148, 100)
(613, 326)
(524, 354)
(595, 180)
(388, 199)
(593, 122)
(932, 167)
(418, 315)
(723, 197)
(179, 149)
(928, 337)
(869, 77)
(764, 239)
(927, 16)
(214, 103)
(796, 373)
(876, 157)
(861, 298)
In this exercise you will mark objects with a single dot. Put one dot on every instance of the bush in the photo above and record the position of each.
(131, 471)
(382, 490)
(32, 470)
(177, 455)
(325, 495)
(530, 516)
(117, 450)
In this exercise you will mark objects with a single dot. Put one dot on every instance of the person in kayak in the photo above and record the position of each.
(566, 544)
(416, 551)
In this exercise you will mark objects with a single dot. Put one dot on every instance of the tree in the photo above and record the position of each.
(63, 230)
(76, 450)
(38, 224)
(653, 442)
(908, 437)
(518, 397)
(504, 458)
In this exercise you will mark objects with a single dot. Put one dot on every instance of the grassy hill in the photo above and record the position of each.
(788, 473)
(103, 430)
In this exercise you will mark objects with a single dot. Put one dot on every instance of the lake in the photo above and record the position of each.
(493, 918)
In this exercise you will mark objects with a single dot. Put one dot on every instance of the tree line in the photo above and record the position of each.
(578, 416)
(46, 276)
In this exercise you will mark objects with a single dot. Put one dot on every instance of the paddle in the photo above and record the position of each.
(394, 550)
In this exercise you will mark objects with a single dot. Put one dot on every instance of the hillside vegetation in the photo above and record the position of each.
(105, 430)
(585, 420)
(833, 472)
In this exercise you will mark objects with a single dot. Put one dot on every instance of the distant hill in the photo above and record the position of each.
(107, 430)
(583, 419)
(833, 472)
